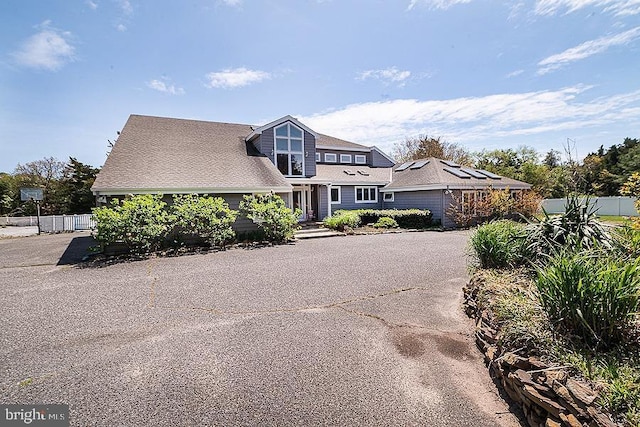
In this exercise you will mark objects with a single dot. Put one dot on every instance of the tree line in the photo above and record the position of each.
(66, 187)
(602, 173)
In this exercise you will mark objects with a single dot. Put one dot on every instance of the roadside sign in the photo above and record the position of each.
(27, 194)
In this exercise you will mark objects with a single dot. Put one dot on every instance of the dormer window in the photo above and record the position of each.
(289, 150)
(361, 159)
(345, 158)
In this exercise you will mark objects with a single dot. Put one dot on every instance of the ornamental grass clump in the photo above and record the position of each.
(594, 298)
(499, 244)
(577, 227)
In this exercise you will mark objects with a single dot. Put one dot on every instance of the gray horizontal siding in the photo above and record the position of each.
(380, 161)
(322, 202)
(432, 200)
(309, 154)
(348, 200)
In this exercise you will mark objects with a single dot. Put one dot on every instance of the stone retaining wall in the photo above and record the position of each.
(547, 396)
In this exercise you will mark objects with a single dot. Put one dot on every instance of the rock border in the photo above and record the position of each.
(546, 394)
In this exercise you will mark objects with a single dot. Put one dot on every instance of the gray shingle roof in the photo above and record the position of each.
(165, 154)
(358, 174)
(434, 175)
(330, 141)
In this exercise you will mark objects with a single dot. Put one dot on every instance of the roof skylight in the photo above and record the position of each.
(457, 172)
(404, 166)
(419, 164)
(473, 173)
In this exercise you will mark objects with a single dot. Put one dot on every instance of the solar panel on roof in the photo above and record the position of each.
(404, 166)
(473, 173)
(489, 174)
(450, 163)
(418, 165)
(457, 172)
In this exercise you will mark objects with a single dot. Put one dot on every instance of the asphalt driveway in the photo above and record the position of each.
(361, 330)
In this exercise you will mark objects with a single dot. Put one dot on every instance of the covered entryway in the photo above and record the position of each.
(302, 200)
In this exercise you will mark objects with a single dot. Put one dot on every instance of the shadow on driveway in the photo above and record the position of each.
(77, 249)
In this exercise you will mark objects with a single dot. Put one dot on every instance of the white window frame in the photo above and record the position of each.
(327, 156)
(390, 199)
(318, 157)
(368, 189)
(345, 156)
(339, 201)
(289, 152)
(360, 159)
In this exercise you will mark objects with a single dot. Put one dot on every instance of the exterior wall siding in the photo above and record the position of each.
(266, 144)
(379, 161)
(431, 199)
(348, 200)
(309, 155)
(323, 206)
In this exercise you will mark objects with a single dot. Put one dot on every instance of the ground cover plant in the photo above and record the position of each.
(567, 289)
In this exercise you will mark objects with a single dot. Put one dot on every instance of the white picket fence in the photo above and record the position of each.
(618, 206)
(51, 223)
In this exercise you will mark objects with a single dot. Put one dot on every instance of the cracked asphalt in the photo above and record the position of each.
(346, 331)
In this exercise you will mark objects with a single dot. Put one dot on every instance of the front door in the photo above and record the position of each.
(300, 202)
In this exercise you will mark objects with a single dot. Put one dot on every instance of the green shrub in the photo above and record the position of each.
(341, 220)
(406, 218)
(499, 244)
(272, 215)
(386, 222)
(141, 222)
(592, 297)
(208, 218)
(577, 227)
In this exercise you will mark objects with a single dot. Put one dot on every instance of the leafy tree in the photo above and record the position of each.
(522, 164)
(76, 186)
(552, 159)
(425, 146)
(46, 174)
(9, 197)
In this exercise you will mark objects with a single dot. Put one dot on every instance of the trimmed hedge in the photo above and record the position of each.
(406, 218)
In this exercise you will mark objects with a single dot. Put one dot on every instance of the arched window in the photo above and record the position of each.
(289, 150)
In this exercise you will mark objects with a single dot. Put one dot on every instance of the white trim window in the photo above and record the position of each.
(361, 159)
(336, 195)
(289, 149)
(388, 197)
(330, 157)
(318, 157)
(366, 194)
(345, 158)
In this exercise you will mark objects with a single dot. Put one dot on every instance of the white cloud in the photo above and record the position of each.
(126, 7)
(235, 77)
(476, 118)
(232, 3)
(121, 27)
(437, 4)
(92, 5)
(587, 49)
(49, 48)
(515, 73)
(162, 85)
(617, 7)
(388, 75)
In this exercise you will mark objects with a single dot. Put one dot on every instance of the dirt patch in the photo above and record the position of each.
(410, 344)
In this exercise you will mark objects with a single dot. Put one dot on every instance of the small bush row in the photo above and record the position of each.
(404, 218)
(145, 223)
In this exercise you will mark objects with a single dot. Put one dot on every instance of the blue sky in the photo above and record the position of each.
(484, 74)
